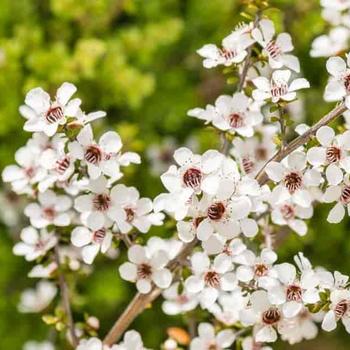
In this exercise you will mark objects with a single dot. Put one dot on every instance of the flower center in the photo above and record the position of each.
(49, 213)
(345, 195)
(260, 270)
(30, 172)
(62, 165)
(341, 308)
(39, 245)
(236, 120)
(261, 153)
(271, 316)
(287, 211)
(212, 346)
(248, 165)
(182, 299)
(130, 214)
(293, 181)
(227, 54)
(93, 154)
(333, 154)
(347, 82)
(101, 202)
(212, 279)
(216, 211)
(99, 235)
(273, 49)
(144, 271)
(192, 178)
(294, 293)
(279, 89)
(54, 114)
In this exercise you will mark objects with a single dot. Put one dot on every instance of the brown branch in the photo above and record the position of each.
(262, 178)
(65, 299)
(140, 301)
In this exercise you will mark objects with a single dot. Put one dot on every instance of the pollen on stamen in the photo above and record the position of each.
(99, 235)
(271, 316)
(333, 154)
(236, 120)
(93, 154)
(144, 271)
(101, 202)
(212, 279)
(294, 293)
(62, 165)
(54, 114)
(341, 308)
(216, 211)
(273, 49)
(192, 178)
(293, 181)
(345, 195)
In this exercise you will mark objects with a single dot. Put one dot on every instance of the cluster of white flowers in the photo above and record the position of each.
(222, 209)
(337, 14)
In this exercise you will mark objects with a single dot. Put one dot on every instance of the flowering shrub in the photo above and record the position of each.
(227, 204)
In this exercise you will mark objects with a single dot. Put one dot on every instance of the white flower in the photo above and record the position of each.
(45, 115)
(278, 88)
(294, 180)
(227, 217)
(38, 299)
(294, 330)
(292, 215)
(91, 241)
(341, 195)
(265, 317)
(51, 210)
(276, 49)
(258, 268)
(101, 157)
(252, 153)
(133, 211)
(207, 339)
(339, 5)
(329, 45)
(228, 307)
(187, 179)
(177, 303)
(209, 279)
(34, 345)
(131, 341)
(295, 291)
(98, 208)
(27, 173)
(43, 271)
(233, 49)
(339, 310)
(145, 268)
(233, 113)
(34, 243)
(90, 344)
(338, 86)
(333, 154)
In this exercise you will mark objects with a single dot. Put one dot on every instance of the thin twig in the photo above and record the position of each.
(262, 178)
(65, 299)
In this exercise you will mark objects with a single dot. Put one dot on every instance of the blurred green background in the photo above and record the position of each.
(136, 60)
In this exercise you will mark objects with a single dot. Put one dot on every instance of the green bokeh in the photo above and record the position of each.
(136, 60)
